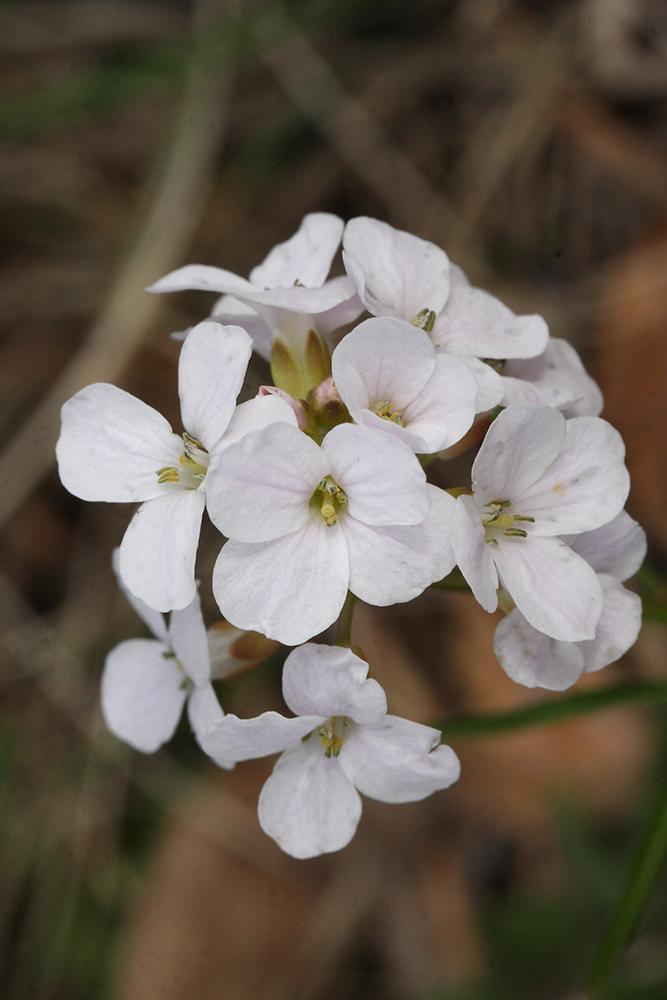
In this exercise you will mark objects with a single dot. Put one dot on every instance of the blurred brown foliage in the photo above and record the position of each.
(530, 142)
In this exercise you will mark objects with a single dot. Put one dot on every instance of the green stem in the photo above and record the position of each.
(553, 710)
(631, 906)
(345, 620)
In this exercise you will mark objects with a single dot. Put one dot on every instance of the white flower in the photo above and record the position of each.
(390, 376)
(306, 523)
(615, 551)
(115, 448)
(397, 274)
(146, 682)
(556, 377)
(538, 476)
(342, 742)
(287, 293)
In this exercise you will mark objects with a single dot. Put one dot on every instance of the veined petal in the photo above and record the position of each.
(202, 277)
(393, 564)
(155, 620)
(142, 693)
(204, 711)
(383, 480)
(618, 627)
(472, 553)
(234, 739)
(519, 444)
(112, 445)
(259, 489)
(445, 408)
(617, 548)
(189, 640)
(308, 805)
(305, 257)
(396, 274)
(289, 589)
(478, 324)
(157, 554)
(331, 680)
(585, 486)
(211, 370)
(398, 761)
(534, 659)
(555, 589)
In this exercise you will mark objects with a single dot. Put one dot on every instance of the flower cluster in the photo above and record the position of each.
(319, 488)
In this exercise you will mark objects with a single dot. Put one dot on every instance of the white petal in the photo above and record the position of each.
(586, 485)
(256, 414)
(289, 589)
(306, 257)
(618, 627)
(189, 640)
(445, 408)
(295, 298)
(557, 591)
(111, 446)
(396, 274)
(204, 711)
(395, 760)
(234, 739)
(534, 659)
(390, 565)
(211, 370)
(142, 693)
(383, 480)
(308, 805)
(490, 387)
(230, 311)
(347, 311)
(473, 555)
(556, 377)
(154, 619)
(617, 548)
(331, 680)
(393, 358)
(202, 277)
(519, 444)
(260, 488)
(157, 554)
(478, 324)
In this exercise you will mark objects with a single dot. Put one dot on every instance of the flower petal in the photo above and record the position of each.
(142, 693)
(534, 659)
(557, 591)
(331, 680)
(189, 640)
(476, 323)
(234, 739)
(155, 620)
(396, 274)
(308, 805)
(204, 711)
(157, 554)
(305, 257)
(473, 555)
(260, 487)
(490, 387)
(445, 408)
(383, 480)
(112, 445)
(289, 589)
(398, 761)
(556, 377)
(617, 548)
(394, 564)
(211, 370)
(618, 627)
(202, 277)
(256, 414)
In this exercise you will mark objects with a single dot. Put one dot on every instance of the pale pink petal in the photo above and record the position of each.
(295, 298)
(211, 370)
(256, 414)
(391, 565)
(331, 681)
(154, 619)
(112, 445)
(617, 548)
(234, 739)
(397, 760)
(188, 639)
(229, 311)
(396, 274)
(556, 377)
(585, 486)
(476, 323)
(618, 627)
(260, 487)
(557, 591)
(204, 711)
(534, 659)
(473, 555)
(520, 443)
(445, 408)
(202, 277)
(305, 257)
(142, 693)
(308, 805)
(289, 589)
(157, 554)
(383, 480)
(490, 388)
(347, 311)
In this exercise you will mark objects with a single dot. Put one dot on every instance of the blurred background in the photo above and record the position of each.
(527, 139)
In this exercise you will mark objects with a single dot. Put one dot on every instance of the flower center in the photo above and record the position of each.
(497, 520)
(385, 409)
(329, 499)
(331, 734)
(191, 470)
